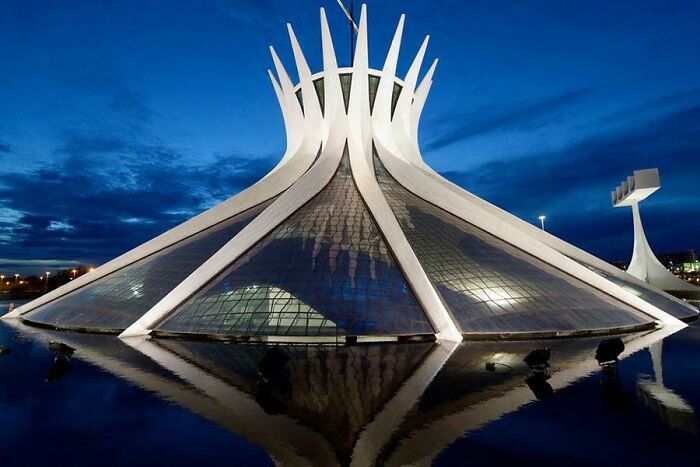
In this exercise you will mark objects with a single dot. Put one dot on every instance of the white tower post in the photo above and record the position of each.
(644, 264)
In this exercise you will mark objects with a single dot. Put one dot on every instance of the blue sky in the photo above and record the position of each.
(121, 119)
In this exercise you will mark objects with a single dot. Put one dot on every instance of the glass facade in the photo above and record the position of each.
(490, 286)
(120, 298)
(657, 299)
(325, 271)
(345, 85)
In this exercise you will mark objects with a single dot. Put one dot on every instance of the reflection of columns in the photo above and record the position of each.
(671, 408)
(655, 351)
(289, 442)
(421, 445)
(377, 433)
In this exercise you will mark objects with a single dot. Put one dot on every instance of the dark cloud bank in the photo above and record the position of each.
(105, 195)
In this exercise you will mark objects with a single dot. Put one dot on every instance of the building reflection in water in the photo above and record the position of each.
(393, 404)
(669, 406)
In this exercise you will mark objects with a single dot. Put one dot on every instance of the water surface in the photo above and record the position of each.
(198, 403)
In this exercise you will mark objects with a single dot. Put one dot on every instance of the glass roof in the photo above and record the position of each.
(490, 286)
(115, 301)
(325, 271)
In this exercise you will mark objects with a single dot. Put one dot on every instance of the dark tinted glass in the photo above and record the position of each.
(373, 86)
(395, 97)
(336, 390)
(657, 299)
(491, 286)
(320, 93)
(325, 271)
(346, 83)
(118, 299)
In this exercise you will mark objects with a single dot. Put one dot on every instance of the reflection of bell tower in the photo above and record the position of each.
(644, 264)
(669, 406)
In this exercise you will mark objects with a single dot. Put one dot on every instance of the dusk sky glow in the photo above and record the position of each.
(119, 120)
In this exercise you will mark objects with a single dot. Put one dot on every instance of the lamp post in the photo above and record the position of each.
(73, 272)
(2, 279)
(16, 278)
(46, 285)
(542, 218)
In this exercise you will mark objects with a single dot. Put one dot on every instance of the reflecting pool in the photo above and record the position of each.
(181, 402)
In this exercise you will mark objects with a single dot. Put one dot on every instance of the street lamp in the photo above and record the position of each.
(542, 218)
(16, 277)
(47, 280)
(74, 271)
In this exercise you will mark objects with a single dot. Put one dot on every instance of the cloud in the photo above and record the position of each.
(59, 226)
(572, 185)
(5, 147)
(105, 195)
(454, 127)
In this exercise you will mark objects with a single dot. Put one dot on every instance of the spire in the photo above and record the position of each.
(286, 83)
(333, 94)
(382, 102)
(358, 110)
(291, 110)
(419, 102)
(402, 114)
(312, 108)
(329, 60)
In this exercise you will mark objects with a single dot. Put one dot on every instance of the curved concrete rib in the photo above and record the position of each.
(419, 183)
(360, 149)
(382, 100)
(316, 130)
(333, 103)
(402, 114)
(361, 163)
(310, 184)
